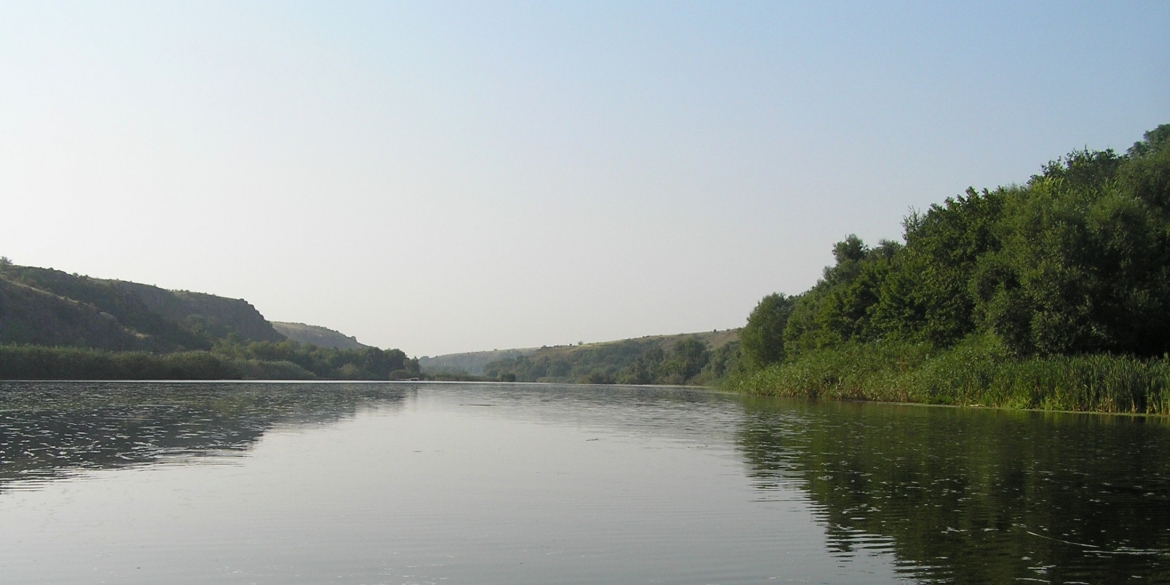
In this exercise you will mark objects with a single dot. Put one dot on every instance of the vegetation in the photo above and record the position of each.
(1051, 294)
(24, 362)
(369, 363)
(699, 358)
(974, 373)
(286, 360)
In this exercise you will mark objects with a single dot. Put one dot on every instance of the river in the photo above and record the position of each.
(371, 483)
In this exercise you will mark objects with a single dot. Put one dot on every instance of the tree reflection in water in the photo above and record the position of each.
(976, 496)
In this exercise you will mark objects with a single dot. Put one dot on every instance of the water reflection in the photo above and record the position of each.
(976, 496)
(50, 430)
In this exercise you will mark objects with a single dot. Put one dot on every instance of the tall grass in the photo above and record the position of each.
(28, 362)
(977, 372)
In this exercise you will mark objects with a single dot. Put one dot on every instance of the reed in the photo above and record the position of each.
(975, 373)
(28, 362)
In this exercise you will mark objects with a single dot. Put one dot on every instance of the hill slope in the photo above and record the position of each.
(148, 329)
(49, 307)
(214, 316)
(32, 316)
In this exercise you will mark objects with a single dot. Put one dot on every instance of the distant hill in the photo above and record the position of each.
(468, 363)
(711, 339)
(315, 335)
(687, 358)
(49, 307)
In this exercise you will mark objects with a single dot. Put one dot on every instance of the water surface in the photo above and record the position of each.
(517, 483)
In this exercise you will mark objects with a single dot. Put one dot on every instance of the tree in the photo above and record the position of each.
(762, 339)
(691, 355)
(1085, 258)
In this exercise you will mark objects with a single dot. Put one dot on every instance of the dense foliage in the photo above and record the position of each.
(1074, 262)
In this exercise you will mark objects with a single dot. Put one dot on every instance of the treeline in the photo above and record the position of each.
(688, 360)
(1017, 287)
(285, 360)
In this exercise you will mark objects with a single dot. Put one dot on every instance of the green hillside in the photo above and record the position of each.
(33, 316)
(38, 314)
(214, 316)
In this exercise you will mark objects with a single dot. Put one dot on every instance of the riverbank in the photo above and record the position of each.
(975, 373)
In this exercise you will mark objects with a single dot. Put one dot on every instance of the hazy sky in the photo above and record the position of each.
(446, 177)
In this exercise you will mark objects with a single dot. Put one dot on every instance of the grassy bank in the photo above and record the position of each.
(973, 373)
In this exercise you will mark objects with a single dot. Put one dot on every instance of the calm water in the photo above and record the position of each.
(462, 483)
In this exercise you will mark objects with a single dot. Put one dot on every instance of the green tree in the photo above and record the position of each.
(691, 355)
(926, 295)
(762, 339)
(1085, 261)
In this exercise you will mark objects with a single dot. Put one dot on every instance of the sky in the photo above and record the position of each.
(457, 176)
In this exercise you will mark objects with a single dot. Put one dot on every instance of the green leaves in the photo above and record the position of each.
(1075, 261)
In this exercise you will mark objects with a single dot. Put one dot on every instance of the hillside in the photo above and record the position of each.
(319, 336)
(56, 304)
(687, 358)
(215, 316)
(49, 307)
(32, 316)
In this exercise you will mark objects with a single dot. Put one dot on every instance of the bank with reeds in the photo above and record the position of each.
(971, 374)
